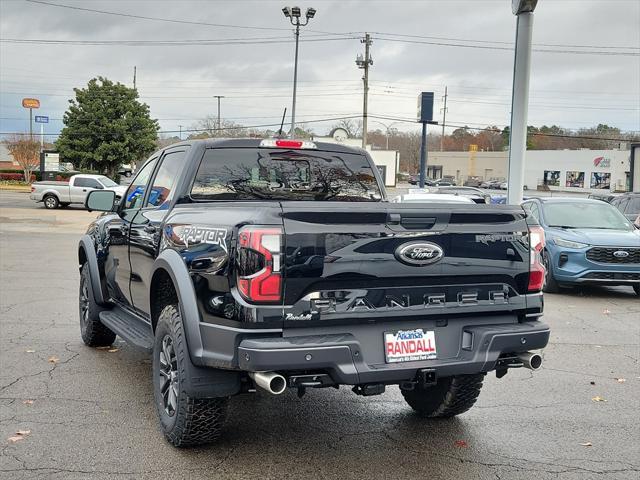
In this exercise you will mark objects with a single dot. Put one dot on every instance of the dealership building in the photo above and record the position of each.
(565, 170)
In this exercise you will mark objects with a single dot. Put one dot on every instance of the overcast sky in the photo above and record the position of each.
(585, 67)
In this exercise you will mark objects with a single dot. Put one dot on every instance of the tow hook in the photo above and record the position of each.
(369, 389)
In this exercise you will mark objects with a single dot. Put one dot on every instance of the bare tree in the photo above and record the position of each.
(25, 151)
(351, 126)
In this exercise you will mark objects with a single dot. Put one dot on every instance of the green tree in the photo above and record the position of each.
(106, 126)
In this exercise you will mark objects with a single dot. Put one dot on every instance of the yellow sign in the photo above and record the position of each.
(30, 103)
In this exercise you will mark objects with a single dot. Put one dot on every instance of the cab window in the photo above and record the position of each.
(87, 183)
(164, 182)
(135, 193)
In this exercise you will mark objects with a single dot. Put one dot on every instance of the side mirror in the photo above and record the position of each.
(100, 200)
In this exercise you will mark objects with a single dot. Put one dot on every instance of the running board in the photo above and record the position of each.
(129, 327)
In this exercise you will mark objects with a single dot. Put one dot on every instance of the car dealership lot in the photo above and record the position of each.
(89, 412)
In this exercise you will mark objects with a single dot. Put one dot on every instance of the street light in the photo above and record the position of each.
(293, 14)
(387, 128)
(523, 9)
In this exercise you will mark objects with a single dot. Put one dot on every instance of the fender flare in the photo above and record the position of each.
(88, 246)
(200, 381)
(171, 261)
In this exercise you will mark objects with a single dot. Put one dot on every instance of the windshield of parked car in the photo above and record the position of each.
(107, 182)
(269, 174)
(585, 215)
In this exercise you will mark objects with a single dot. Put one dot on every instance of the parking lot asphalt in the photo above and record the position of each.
(89, 413)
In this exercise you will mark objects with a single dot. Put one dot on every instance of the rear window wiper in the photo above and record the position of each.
(562, 226)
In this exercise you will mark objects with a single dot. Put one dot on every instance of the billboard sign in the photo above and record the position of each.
(30, 103)
(425, 107)
(42, 119)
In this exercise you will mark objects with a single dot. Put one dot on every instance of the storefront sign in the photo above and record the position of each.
(602, 162)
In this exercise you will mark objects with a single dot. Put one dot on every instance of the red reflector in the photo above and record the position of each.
(243, 286)
(289, 143)
(536, 277)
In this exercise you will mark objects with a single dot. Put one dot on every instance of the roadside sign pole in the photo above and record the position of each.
(31, 103)
(423, 155)
(42, 119)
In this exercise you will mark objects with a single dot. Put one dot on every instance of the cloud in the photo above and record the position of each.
(178, 82)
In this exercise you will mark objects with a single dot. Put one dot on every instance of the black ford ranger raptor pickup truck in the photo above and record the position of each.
(276, 264)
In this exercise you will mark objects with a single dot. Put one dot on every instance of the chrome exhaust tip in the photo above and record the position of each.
(532, 361)
(272, 382)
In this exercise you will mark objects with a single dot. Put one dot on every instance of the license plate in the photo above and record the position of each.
(409, 346)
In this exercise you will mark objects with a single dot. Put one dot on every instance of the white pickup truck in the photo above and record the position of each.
(62, 194)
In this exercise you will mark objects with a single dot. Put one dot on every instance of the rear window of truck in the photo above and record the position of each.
(270, 174)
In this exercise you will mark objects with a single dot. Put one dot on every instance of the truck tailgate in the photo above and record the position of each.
(387, 260)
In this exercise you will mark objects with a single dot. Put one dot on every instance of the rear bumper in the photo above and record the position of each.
(343, 355)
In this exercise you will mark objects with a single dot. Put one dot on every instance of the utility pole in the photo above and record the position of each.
(134, 77)
(364, 64)
(444, 118)
(219, 97)
(180, 126)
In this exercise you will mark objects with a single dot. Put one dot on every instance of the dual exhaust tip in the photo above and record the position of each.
(276, 384)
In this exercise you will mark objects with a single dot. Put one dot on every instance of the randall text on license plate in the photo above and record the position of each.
(409, 346)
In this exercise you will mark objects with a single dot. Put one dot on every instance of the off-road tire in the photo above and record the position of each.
(51, 202)
(93, 332)
(550, 283)
(451, 396)
(195, 421)
(636, 288)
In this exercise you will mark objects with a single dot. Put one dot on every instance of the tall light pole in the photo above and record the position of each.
(218, 124)
(387, 127)
(365, 63)
(523, 9)
(293, 14)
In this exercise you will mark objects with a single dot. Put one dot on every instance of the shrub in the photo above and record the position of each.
(17, 177)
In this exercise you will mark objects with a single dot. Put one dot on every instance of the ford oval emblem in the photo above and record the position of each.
(419, 253)
(620, 254)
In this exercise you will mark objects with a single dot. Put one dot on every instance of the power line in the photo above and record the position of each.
(428, 37)
(157, 19)
(355, 34)
(172, 43)
(486, 129)
(510, 49)
(235, 127)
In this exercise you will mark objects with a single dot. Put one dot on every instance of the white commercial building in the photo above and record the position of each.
(566, 170)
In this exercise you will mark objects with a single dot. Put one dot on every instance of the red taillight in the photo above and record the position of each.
(33, 189)
(265, 285)
(537, 271)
